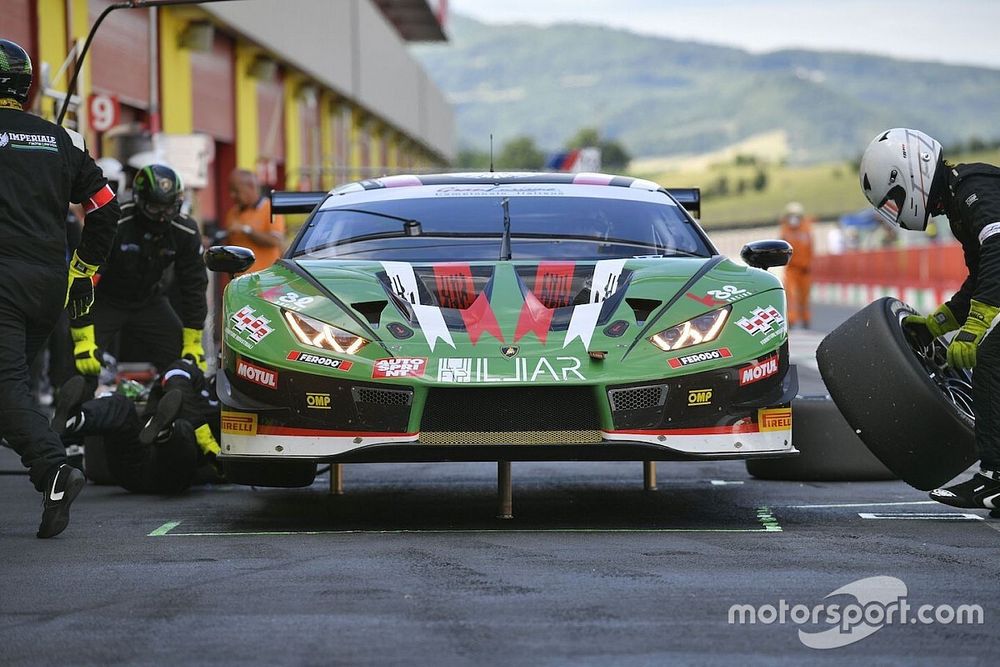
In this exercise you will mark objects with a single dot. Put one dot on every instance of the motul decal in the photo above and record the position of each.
(534, 317)
(700, 357)
(554, 283)
(758, 370)
(399, 367)
(455, 288)
(317, 360)
(430, 319)
(256, 374)
(479, 319)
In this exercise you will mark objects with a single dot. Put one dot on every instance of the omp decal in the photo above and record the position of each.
(455, 288)
(318, 401)
(700, 397)
(534, 317)
(761, 320)
(554, 283)
(774, 419)
(479, 318)
(317, 360)
(758, 370)
(700, 357)
(400, 367)
(256, 374)
(252, 327)
(431, 321)
(467, 370)
(239, 423)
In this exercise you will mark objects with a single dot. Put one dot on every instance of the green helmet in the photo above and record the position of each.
(158, 192)
(15, 72)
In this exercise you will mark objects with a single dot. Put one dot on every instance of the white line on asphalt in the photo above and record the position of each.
(959, 516)
(915, 502)
(722, 482)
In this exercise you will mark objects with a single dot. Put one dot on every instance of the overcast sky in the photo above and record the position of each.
(954, 31)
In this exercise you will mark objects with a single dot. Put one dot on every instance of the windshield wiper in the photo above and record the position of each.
(505, 252)
(411, 226)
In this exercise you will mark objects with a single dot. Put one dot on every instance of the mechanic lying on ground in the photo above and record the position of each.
(43, 168)
(905, 177)
(130, 302)
(171, 447)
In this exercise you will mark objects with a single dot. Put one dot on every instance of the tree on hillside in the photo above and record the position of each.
(520, 153)
(472, 159)
(614, 157)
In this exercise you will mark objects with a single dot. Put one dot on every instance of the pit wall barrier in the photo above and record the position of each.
(922, 276)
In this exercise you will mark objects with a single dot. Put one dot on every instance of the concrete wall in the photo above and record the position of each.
(350, 47)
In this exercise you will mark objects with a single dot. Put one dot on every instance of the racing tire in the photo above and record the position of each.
(284, 474)
(95, 461)
(830, 450)
(899, 395)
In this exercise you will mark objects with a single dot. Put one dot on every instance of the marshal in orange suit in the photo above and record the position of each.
(797, 229)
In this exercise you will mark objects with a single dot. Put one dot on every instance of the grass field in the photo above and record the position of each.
(825, 190)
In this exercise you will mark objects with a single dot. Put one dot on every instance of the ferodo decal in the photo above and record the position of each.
(256, 374)
(763, 321)
(318, 360)
(399, 367)
(699, 397)
(774, 419)
(468, 370)
(700, 357)
(239, 423)
(318, 401)
(250, 327)
(758, 370)
(718, 297)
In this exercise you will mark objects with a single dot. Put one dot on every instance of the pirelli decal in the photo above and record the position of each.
(774, 419)
(239, 423)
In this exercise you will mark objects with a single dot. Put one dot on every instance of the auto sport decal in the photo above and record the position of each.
(239, 423)
(250, 327)
(256, 374)
(758, 370)
(767, 321)
(774, 419)
(718, 297)
(468, 370)
(317, 360)
(700, 357)
(399, 367)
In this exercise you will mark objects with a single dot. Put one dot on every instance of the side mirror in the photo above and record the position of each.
(766, 254)
(229, 259)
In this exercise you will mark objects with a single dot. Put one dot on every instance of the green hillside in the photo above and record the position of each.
(660, 96)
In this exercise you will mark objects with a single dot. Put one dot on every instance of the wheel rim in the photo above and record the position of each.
(932, 354)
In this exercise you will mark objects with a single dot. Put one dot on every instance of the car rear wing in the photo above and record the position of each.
(689, 198)
(291, 201)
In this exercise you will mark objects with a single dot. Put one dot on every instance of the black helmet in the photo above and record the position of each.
(158, 192)
(15, 72)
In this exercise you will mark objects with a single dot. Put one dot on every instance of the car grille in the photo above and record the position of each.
(638, 398)
(510, 415)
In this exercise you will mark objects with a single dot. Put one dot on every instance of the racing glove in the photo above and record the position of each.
(940, 322)
(206, 441)
(80, 290)
(962, 351)
(85, 352)
(192, 348)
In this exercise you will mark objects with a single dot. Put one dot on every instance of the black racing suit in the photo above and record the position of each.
(162, 467)
(43, 167)
(973, 208)
(131, 309)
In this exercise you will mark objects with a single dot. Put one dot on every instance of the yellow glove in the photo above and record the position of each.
(206, 441)
(192, 348)
(88, 358)
(962, 351)
(940, 322)
(80, 289)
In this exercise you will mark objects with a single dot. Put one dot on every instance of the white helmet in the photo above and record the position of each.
(897, 171)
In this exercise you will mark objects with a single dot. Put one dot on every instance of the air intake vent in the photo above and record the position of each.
(642, 308)
(638, 398)
(387, 397)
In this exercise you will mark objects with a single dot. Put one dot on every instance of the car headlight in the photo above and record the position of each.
(701, 329)
(320, 334)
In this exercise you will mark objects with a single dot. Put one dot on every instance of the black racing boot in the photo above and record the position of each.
(980, 492)
(61, 489)
(71, 395)
(158, 426)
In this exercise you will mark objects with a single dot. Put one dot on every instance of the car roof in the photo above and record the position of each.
(499, 178)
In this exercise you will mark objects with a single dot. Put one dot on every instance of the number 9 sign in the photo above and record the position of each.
(103, 112)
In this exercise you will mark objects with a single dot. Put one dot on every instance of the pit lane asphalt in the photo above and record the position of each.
(410, 566)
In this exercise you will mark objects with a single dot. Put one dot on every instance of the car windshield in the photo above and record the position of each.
(436, 229)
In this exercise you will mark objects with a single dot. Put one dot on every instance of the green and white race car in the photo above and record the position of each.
(487, 317)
